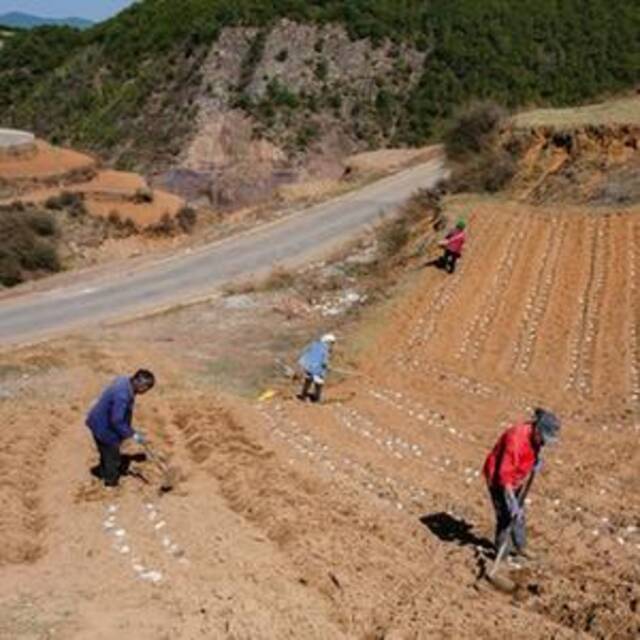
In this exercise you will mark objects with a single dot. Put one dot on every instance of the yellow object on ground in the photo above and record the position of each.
(267, 395)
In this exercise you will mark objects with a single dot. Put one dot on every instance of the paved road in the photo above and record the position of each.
(290, 241)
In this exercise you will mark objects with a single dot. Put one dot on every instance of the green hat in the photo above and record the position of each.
(461, 224)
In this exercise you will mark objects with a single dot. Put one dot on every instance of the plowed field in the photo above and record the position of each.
(366, 516)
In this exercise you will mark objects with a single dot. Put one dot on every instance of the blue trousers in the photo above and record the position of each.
(518, 535)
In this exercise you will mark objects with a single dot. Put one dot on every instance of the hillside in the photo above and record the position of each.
(247, 94)
(366, 516)
(586, 155)
(19, 20)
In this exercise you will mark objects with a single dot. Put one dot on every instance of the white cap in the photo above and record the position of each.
(329, 338)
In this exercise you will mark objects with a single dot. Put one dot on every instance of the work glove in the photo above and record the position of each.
(138, 438)
(318, 379)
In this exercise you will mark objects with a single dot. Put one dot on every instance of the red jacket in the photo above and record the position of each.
(455, 240)
(512, 458)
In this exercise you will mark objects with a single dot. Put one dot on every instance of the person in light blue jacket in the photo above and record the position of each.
(315, 364)
(110, 423)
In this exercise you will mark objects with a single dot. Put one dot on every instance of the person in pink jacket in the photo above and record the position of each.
(453, 244)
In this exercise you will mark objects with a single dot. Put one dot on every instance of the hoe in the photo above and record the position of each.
(169, 474)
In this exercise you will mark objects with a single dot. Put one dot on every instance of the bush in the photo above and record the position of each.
(125, 228)
(280, 95)
(10, 271)
(42, 223)
(114, 218)
(26, 244)
(321, 71)
(472, 140)
(64, 200)
(394, 236)
(166, 226)
(73, 203)
(307, 134)
(144, 195)
(490, 172)
(78, 210)
(473, 129)
(187, 218)
(40, 256)
(279, 278)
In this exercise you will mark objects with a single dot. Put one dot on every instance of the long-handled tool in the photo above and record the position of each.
(501, 582)
(350, 372)
(168, 474)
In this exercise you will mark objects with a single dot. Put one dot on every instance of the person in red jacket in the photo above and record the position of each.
(513, 458)
(453, 244)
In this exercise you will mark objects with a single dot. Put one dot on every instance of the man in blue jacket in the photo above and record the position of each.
(315, 363)
(110, 423)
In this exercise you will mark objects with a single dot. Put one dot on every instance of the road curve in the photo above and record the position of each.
(292, 240)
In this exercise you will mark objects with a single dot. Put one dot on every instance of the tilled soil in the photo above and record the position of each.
(366, 516)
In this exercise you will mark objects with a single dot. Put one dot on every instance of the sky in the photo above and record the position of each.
(92, 9)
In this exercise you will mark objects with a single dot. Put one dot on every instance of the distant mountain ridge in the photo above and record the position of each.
(19, 20)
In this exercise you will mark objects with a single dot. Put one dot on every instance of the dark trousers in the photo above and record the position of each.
(449, 260)
(112, 464)
(518, 535)
(306, 388)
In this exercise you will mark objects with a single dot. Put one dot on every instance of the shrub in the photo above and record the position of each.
(129, 227)
(473, 129)
(40, 256)
(394, 236)
(472, 140)
(26, 244)
(490, 171)
(321, 71)
(335, 101)
(280, 95)
(279, 278)
(114, 218)
(242, 101)
(187, 218)
(143, 195)
(306, 135)
(64, 200)
(42, 223)
(166, 226)
(78, 210)
(10, 271)
(125, 228)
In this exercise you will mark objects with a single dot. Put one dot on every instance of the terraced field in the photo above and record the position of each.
(366, 516)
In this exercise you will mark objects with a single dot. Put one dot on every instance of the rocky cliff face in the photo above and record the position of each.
(277, 103)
